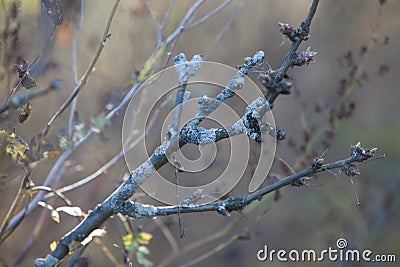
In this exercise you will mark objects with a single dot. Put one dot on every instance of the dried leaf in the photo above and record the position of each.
(54, 10)
(23, 73)
(55, 216)
(53, 213)
(45, 205)
(40, 149)
(96, 232)
(15, 147)
(24, 111)
(73, 211)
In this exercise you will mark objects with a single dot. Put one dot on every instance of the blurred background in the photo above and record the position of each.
(358, 57)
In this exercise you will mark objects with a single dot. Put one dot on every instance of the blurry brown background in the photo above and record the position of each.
(310, 217)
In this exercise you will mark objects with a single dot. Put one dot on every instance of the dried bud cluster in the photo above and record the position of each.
(294, 35)
(283, 87)
(317, 164)
(250, 62)
(350, 170)
(362, 154)
(303, 58)
(288, 31)
(300, 182)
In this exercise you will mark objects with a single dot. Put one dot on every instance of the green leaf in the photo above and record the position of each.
(99, 123)
(144, 250)
(141, 259)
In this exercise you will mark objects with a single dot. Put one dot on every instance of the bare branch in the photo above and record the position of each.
(302, 34)
(139, 211)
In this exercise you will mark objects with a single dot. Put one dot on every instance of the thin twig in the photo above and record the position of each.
(226, 243)
(154, 17)
(55, 192)
(184, 22)
(167, 233)
(224, 29)
(208, 16)
(351, 87)
(15, 88)
(295, 45)
(164, 22)
(38, 226)
(74, 67)
(20, 98)
(14, 206)
(85, 77)
(33, 203)
(212, 237)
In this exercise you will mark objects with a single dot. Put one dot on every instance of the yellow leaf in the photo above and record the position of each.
(127, 239)
(53, 245)
(144, 238)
